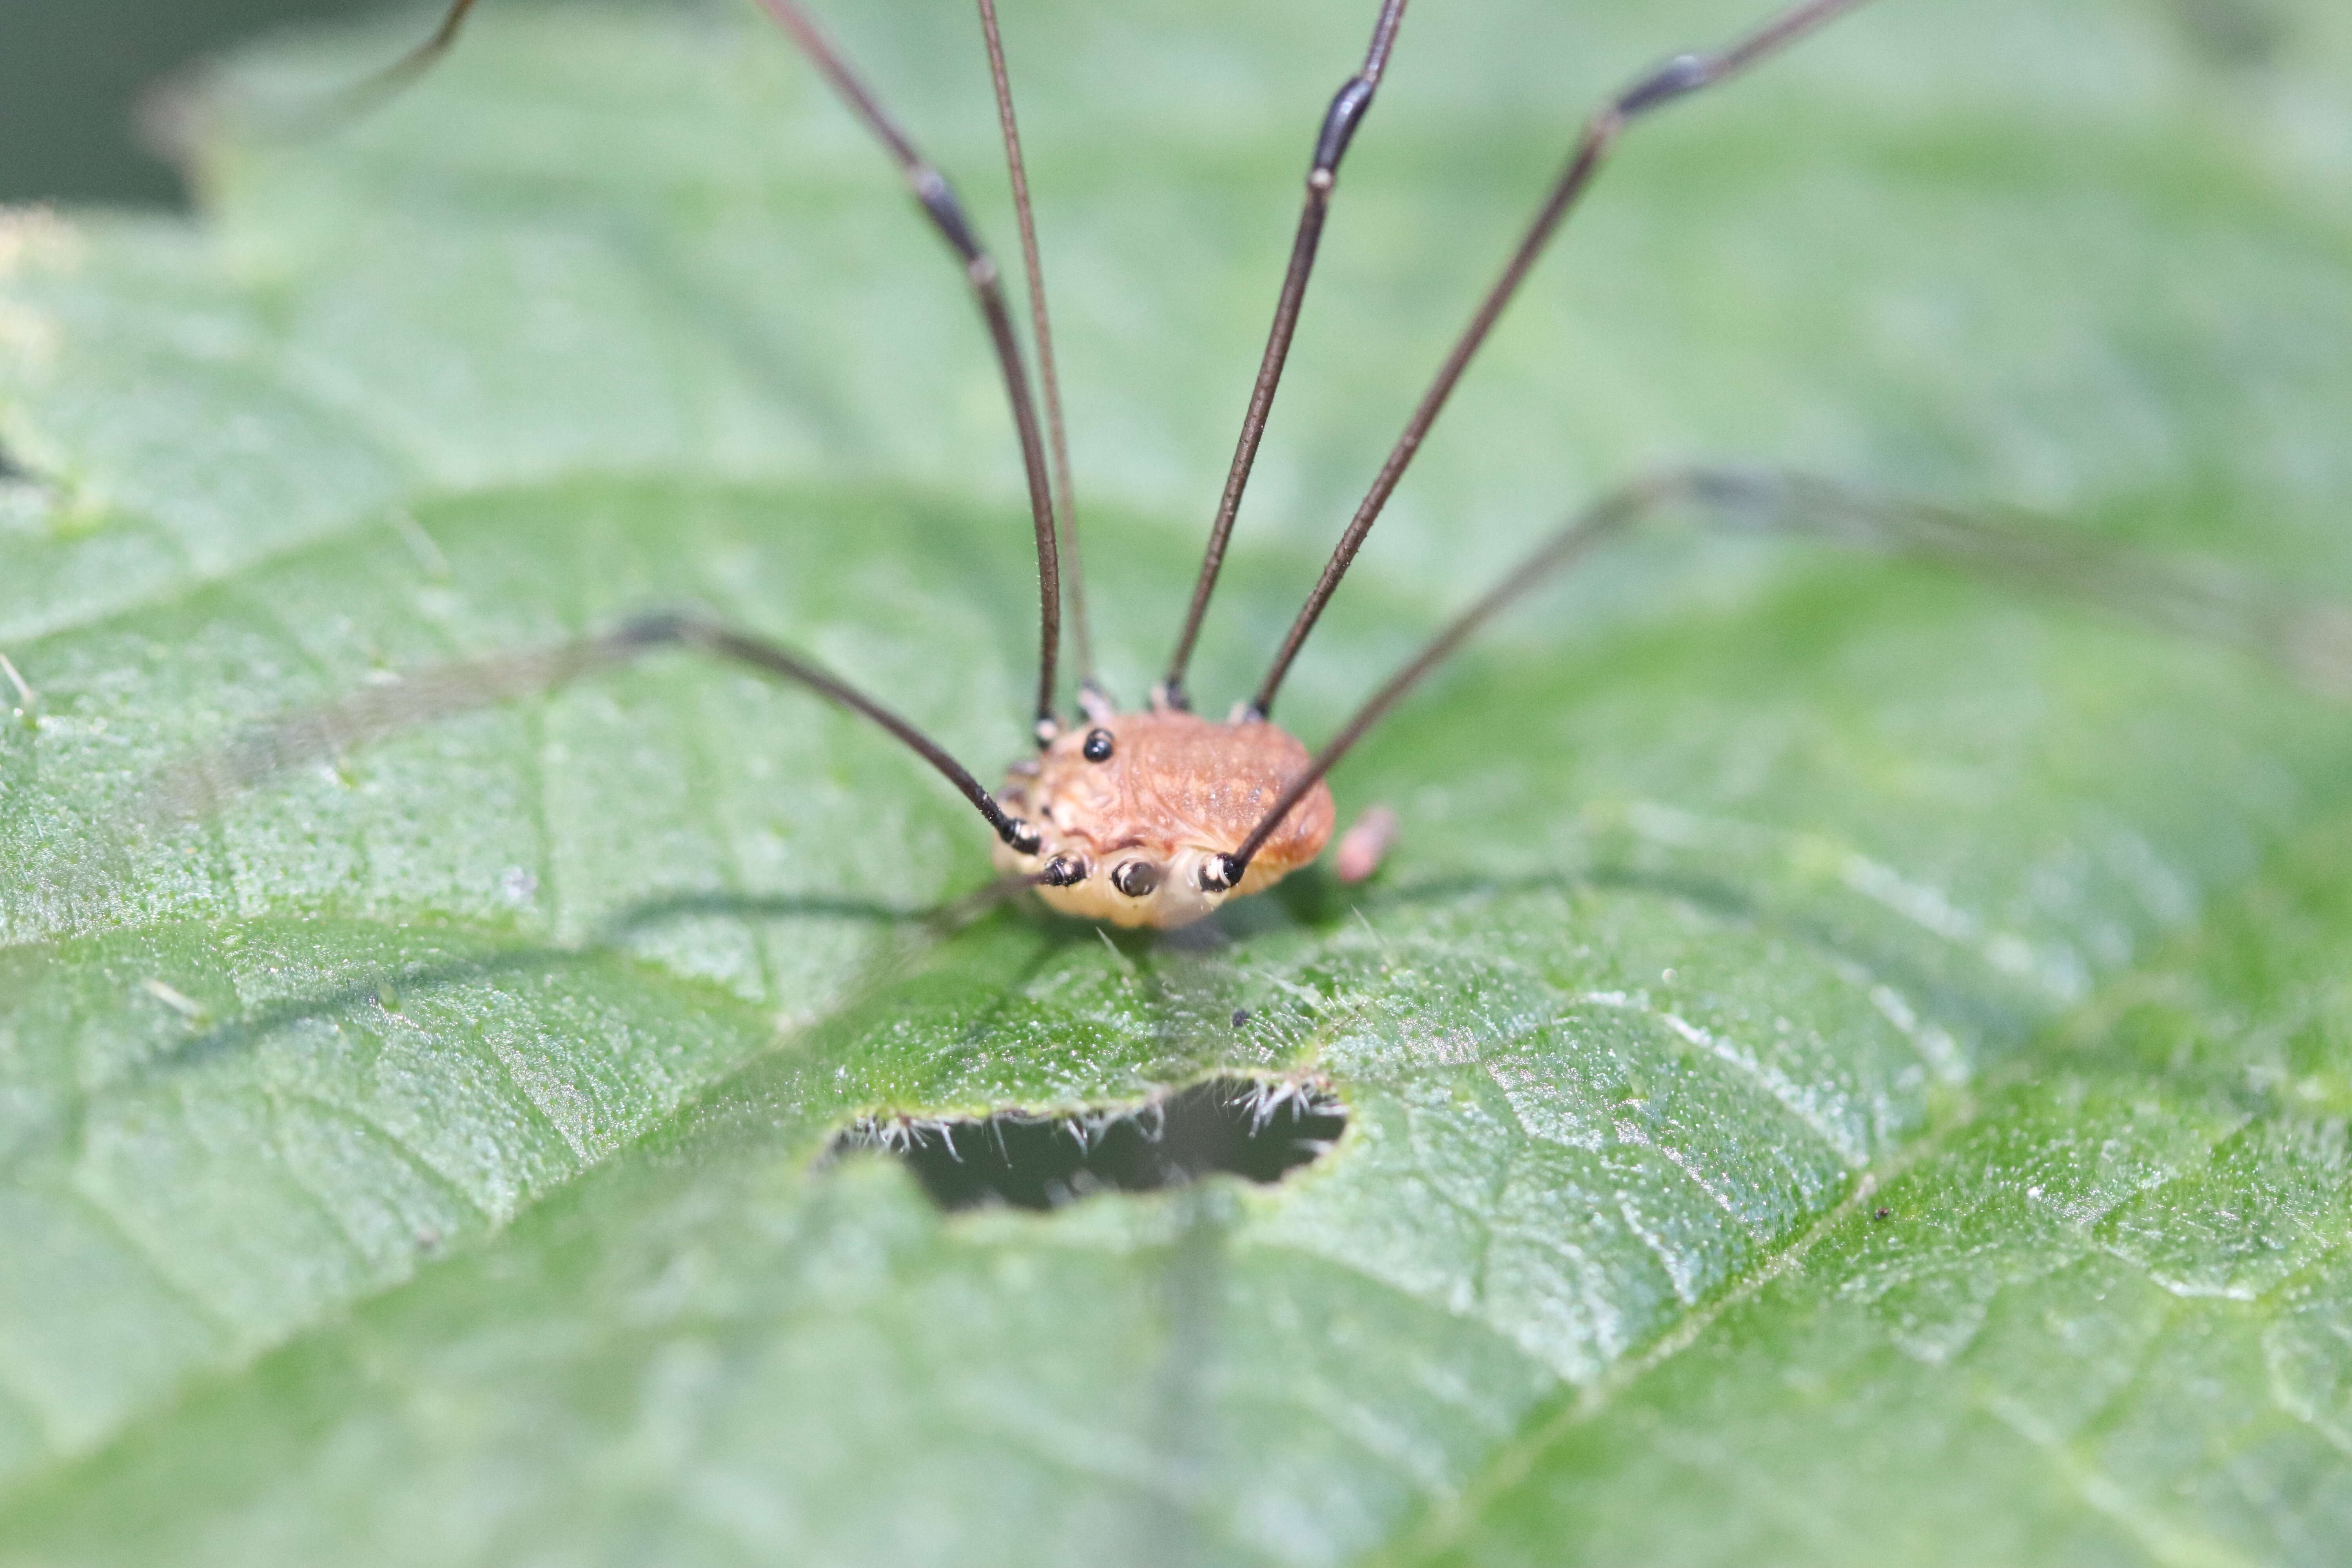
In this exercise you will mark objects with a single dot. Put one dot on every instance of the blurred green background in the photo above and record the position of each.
(72, 73)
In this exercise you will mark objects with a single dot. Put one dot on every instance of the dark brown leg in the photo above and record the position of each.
(1340, 122)
(2311, 641)
(941, 206)
(202, 787)
(1678, 78)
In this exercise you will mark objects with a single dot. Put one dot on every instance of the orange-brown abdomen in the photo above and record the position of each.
(1141, 803)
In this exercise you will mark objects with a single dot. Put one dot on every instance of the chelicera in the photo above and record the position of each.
(1156, 816)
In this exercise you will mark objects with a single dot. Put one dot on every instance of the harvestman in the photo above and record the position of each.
(1156, 817)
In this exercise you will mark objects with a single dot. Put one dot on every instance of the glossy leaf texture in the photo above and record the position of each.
(1844, 1064)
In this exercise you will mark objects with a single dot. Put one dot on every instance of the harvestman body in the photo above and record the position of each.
(1156, 817)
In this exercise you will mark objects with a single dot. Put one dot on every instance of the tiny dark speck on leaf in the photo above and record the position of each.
(1241, 1017)
(1882, 1214)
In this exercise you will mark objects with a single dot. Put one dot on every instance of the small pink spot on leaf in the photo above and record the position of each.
(1361, 846)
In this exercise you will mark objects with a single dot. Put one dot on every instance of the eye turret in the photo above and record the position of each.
(1135, 879)
(1098, 747)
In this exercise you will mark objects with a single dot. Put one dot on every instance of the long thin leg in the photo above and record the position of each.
(1340, 122)
(1049, 382)
(2312, 641)
(202, 787)
(940, 205)
(939, 202)
(1678, 78)
(349, 102)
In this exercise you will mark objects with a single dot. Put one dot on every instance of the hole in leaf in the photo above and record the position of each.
(1238, 1125)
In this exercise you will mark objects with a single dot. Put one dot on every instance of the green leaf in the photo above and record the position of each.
(421, 1162)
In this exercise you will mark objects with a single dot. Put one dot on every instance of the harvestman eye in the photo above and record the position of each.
(1243, 800)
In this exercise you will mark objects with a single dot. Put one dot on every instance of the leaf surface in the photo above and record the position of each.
(419, 1162)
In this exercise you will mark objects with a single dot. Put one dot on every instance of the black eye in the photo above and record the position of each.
(1135, 879)
(1097, 746)
(1062, 871)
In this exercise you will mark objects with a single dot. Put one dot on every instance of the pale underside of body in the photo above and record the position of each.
(1132, 810)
